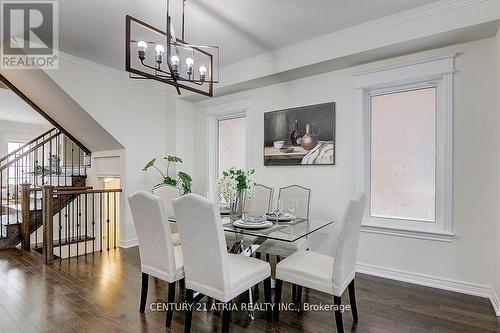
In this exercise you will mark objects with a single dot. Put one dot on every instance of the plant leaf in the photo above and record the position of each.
(173, 159)
(149, 165)
(183, 175)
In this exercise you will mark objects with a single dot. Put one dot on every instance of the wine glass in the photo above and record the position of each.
(293, 205)
(279, 209)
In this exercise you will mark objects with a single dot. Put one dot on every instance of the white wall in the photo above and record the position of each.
(140, 115)
(468, 258)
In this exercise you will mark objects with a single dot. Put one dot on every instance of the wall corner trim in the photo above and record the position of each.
(126, 244)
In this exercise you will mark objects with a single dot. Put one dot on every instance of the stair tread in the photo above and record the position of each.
(66, 241)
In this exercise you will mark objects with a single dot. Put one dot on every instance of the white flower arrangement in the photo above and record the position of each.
(233, 181)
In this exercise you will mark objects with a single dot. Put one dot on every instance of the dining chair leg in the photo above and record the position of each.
(226, 317)
(338, 314)
(267, 298)
(170, 308)
(278, 286)
(182, 284)
(352, 300)
(189, 311)
(144, 292)
(258, 255)
(294, 292)
(298, 294)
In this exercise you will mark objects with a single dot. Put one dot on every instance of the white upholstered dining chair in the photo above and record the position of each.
(159, 257)
(331, 275)
(169, 193)
(209, 268)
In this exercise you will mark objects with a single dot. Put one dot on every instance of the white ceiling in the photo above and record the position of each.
(13, 108)
(95, 29)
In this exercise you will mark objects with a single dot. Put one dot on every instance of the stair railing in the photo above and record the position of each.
(50, 159)
(78, 221)
(28, 145)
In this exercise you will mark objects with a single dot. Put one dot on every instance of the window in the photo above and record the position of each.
(403, 162)
(407, 112)
(231, 144)
(15, 172)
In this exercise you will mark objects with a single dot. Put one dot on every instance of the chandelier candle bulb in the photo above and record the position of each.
(175, 64)
(203, 72)
(142, 45)
(159, 53)
(189, 64)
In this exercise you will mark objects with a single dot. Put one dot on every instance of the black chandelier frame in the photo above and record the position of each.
(170, 77)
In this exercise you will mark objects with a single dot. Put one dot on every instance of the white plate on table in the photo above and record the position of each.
(241, 224)
(285, 217)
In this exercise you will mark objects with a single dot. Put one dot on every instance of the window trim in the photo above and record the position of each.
(436, 71)
(214, 114)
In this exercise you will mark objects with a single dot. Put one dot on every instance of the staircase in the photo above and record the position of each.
(45, 204)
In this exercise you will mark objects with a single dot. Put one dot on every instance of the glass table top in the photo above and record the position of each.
(283, 231)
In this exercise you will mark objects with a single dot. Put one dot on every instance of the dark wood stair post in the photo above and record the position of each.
(25, 211)
(48, 225)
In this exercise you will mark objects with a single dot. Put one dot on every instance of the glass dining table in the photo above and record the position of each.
(289, 231)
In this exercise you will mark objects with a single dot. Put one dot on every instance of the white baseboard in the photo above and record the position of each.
(434, 282)
(127, 244)
(495, 301)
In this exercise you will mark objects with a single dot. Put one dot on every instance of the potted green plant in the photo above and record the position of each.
(183, 179)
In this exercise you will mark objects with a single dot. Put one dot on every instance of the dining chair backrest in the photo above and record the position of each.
(167, 193)
(153, 233)
(347, 245)
(260, 201)
(300, 195)
(203, 243)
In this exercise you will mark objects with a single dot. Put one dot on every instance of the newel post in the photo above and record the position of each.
(48, 233)
(25, 214)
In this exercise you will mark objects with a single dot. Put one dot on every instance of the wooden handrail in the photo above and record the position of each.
(5, 166)
(118, 190)
(62, 188)
(26, 144)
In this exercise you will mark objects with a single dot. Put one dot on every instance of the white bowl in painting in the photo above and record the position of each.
(278, 144)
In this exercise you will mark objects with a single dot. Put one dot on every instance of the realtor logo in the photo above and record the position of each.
(29, 34)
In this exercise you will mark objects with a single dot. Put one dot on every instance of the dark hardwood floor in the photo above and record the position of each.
(100, 293)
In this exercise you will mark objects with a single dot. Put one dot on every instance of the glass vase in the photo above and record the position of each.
(237, 204)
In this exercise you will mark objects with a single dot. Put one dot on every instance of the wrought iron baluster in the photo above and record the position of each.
(8, 196)
(16, 189)
(101, 217)
(114, 220)
(43, 165)
(72, 159)
(86, 227)
(59, 209)
(50, 162)
(93, 223)
(58, 147)
(66, 217)
(107, 219)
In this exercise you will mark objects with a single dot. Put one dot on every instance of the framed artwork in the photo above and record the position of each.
(300, 136)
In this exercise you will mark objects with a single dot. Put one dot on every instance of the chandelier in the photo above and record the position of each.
(151, 53)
